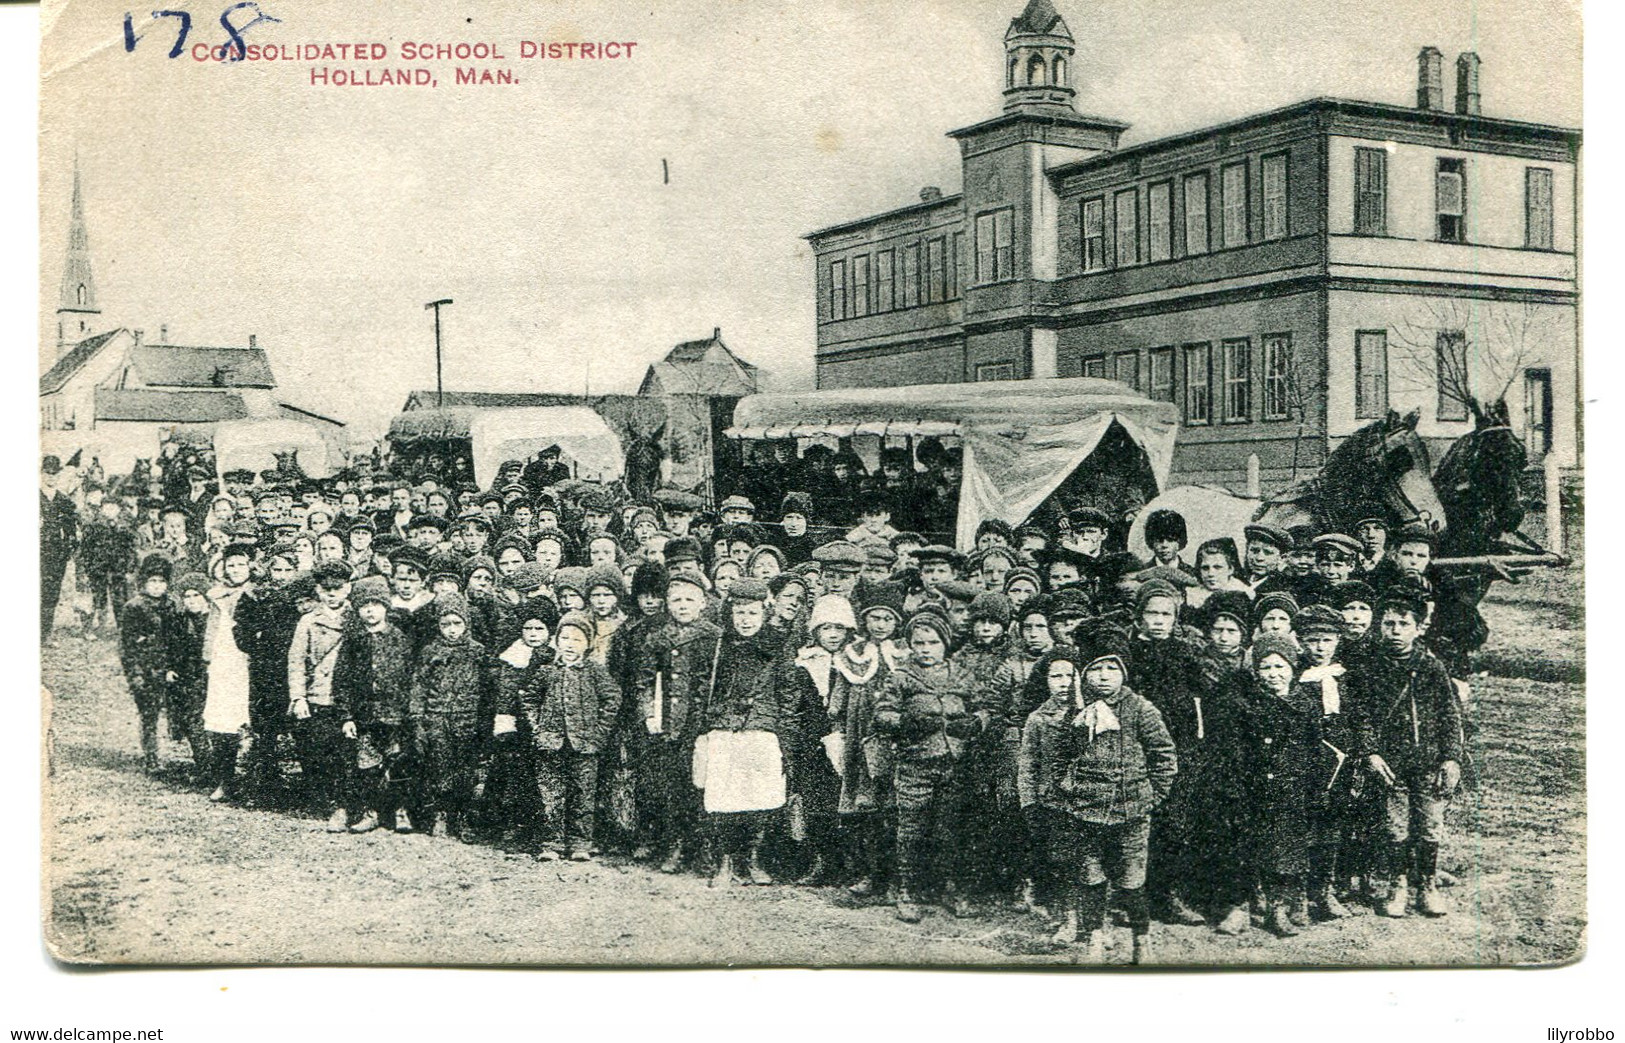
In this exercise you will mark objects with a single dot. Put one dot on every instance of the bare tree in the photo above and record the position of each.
(1470, 351)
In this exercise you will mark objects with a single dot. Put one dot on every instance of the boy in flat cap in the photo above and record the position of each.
(1409, 735)
(372, 680)
(322, 723)
(149, 647)
(266, 617)
(1267, 547)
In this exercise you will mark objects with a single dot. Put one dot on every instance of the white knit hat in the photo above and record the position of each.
(831, 608)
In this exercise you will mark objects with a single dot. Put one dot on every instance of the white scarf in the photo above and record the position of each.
(817, 663)
(1330, 700)
(517, 654)
(1098, 717)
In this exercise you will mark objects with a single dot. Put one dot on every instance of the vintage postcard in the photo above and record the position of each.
(993, 483)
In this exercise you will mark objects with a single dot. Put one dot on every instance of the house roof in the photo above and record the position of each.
(173, 407)
(702, 367)
(299, 412)
(73, 361)
(170, 365)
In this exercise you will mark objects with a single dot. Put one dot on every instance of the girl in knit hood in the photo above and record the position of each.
(1097, 759)
(818, 754)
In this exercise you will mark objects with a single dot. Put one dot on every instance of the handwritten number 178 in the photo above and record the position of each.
(235, 48)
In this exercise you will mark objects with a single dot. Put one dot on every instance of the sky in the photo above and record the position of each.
(230, 200)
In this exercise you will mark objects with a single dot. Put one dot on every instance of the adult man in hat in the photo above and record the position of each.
(794, 514)
(679, 507)
(58, 538)
(546, 471)
(737, 510)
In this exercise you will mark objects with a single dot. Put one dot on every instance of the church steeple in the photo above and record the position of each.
(76, 310)
(1038, 61)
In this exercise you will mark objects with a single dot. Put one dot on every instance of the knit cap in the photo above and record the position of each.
(580, 621)
(1276, 599)
(528, 576)
(477, 562)
(831, 608)
(572, 578)
(933, 621)
(540, 608)
(1156, 589)
(193, 581)
(604, 576)
(1274, 644)
(370, 589)
(1233, 604)
(1022, 572)
(451, 605)
(1318, 619)
(990, 606)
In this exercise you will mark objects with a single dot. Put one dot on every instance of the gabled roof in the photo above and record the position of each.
(168, 407)
(701, 367)
(168, 365)
(73, 361)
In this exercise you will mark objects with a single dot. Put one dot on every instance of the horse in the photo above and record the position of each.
(1385, 464)
(1480, 482)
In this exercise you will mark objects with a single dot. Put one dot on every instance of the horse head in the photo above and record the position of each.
(1386, 461)
(1480, 482)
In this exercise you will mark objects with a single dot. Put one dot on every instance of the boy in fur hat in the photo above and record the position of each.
(1165, 537)
(451, 686)
(1098, 759)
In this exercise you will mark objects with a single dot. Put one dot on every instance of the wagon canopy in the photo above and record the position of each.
(1021, 439)
(253, 444)
(589, 446)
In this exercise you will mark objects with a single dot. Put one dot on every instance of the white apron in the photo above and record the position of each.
(225, 708)
(739, 771)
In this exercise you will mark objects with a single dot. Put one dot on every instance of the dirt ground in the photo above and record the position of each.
(145, 870)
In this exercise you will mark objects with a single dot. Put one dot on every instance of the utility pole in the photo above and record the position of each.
(439, 387)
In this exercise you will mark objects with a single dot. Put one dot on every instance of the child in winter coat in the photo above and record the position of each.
(931, 710)
(568, 708)
(187, 692)
(816, 757)
(106, 556)
(868, 801)
(372, 681)
(148, 649)
(322, 727)
(1098, 759)
(1330, 807)
(451, 687)
(980, 659)
(226, 711)
(748, 728)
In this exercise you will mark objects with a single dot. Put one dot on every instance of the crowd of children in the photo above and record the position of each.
(1253, 736)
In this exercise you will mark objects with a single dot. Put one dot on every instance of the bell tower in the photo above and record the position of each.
(76, 311)
(1038, 61)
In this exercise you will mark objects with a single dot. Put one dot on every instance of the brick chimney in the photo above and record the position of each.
(253, 341)
(163, 334)
(1467, 84)
(716, 332)
(930, 194)
(139, 334)
(1430, 79)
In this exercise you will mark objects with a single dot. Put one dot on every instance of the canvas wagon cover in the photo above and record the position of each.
(253, 445)
(587, 441)
(1021, 438)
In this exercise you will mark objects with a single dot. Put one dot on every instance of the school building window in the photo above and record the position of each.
(837, 290)
(1277, 376)
(1537, 410)
(1233, 200)
(1370, 191)
(884, 262)
(1196, 214)
(1094, 366)
(1159, 222)
(995, 252)
(1370, 374)
(1126, 368)
(936, 270)
(1537, 208)
(956, 265)
(860, 285)
(1450, 194)
(1451, 352)
(1274, 177)
(1161, 362)
(911, 275)
(1126, 211)
(1198, 384)
(1237, 402)
(1094, 234)
(996, 371)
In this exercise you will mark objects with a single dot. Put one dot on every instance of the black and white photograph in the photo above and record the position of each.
(1070, 484)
